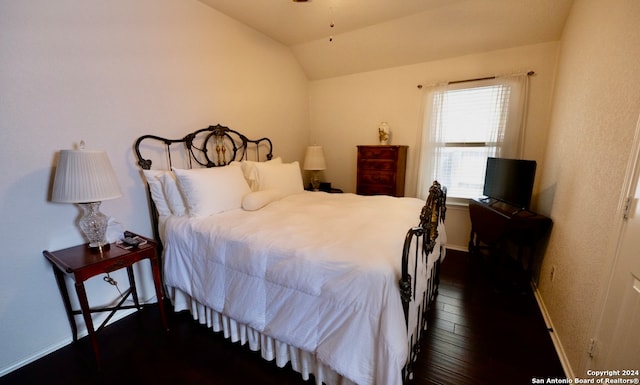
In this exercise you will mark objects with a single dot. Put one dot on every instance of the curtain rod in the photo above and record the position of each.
(530, 73)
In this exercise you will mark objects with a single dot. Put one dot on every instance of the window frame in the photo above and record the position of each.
(508, 143)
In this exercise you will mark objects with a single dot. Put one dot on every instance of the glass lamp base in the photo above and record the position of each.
(315, 181)
(94, 224)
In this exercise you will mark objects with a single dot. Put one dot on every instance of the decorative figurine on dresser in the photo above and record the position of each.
(381, 170)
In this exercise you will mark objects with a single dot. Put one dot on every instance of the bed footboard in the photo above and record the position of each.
(419, 243)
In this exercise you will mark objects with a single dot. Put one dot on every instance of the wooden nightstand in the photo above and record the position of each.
(325, 187)
(82, 263)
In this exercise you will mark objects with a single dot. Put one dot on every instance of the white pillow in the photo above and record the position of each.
(157, 192)
(250, 173)
(175, 201)
(212, 190)
(285, 177)
(258, 199)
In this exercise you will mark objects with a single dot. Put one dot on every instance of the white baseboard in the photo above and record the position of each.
(40, 354)
(82, 332)
(568, 372)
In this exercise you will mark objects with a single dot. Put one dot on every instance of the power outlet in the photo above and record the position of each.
(553, 273)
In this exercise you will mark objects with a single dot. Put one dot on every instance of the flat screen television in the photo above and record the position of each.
(510, 181)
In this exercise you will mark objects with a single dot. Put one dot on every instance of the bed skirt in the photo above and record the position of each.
(302, 361)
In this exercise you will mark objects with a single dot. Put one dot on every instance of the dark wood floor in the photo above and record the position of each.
(485, 328)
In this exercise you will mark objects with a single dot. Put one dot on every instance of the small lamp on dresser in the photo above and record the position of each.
(86, 177)
(314, 161)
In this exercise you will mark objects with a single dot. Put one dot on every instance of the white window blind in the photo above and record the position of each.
(464, 124)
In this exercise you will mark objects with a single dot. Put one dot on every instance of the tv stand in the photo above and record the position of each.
(495, 225)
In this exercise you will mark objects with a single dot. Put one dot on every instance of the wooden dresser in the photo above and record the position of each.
(381, 170)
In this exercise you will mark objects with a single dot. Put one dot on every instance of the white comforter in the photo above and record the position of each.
(317, 271)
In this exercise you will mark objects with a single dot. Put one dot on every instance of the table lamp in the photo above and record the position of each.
(86, 177)
(314, 162)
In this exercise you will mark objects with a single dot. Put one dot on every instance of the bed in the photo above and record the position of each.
(337, 285)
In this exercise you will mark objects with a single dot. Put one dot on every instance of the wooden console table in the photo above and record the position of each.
(495, 223)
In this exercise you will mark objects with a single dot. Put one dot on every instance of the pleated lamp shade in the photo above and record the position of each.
(84, 176)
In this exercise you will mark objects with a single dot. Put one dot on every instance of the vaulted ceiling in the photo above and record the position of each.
(338, 37)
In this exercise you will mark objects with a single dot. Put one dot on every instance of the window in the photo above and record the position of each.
(464, 124)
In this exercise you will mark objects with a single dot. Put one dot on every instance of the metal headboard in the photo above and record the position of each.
(214, 146)
(228, 145)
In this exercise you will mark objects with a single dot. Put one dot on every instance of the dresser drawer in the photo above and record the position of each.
(378, 152)
(375, 189)
(377, 165)
(369, 177)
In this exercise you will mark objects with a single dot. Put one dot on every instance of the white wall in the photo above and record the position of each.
(346, 111)
(107, 72)
(595, 111)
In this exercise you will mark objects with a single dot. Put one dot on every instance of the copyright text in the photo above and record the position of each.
(595, 377)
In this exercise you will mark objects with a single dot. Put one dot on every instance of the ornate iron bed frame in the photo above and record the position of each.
(423, 235)
(230, 145)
